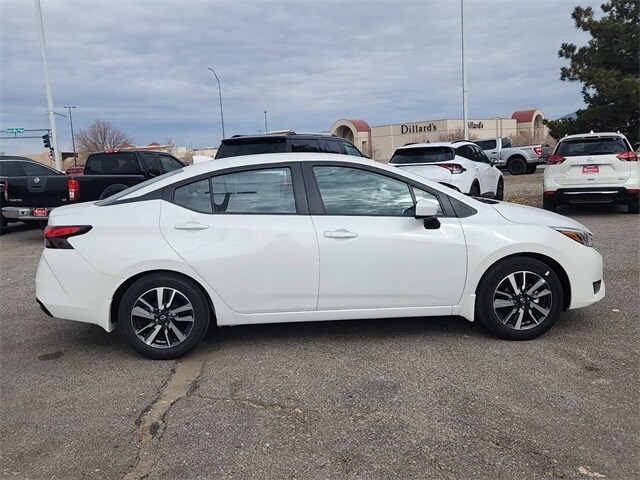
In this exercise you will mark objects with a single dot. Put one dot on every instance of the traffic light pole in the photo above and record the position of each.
(52, 117)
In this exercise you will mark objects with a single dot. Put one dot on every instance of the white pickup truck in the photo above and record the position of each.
(517, 160)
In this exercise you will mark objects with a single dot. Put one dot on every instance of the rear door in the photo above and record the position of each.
(592, 160)
(248, 233)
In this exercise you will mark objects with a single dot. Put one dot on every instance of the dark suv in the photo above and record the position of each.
(286, 142)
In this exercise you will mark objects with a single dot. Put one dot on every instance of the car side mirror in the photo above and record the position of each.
(428, 211)
(493, 161)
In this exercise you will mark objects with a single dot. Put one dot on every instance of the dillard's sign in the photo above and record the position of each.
(475, 125)
(430, 127)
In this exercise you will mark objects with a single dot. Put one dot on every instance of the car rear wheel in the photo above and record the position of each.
(517, 166)
(163, 316)
(519, 298)
(531, 169)
(475, 190)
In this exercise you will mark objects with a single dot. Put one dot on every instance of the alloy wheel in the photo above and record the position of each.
(162, 317)
(522, 300)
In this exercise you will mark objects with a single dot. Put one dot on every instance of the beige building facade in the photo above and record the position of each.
(381, 141)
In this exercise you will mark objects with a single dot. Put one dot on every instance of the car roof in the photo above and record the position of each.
(457, 143)
(593, 134)
(16, 157)
(281, 134)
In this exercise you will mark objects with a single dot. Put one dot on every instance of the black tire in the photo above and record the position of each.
(513, 312)
(475, 190)
(516, 166)
(112, 190)
(157, 330)
(3, 224)
(549, 204)
(500, 190)
(531, 168)
(634, 206)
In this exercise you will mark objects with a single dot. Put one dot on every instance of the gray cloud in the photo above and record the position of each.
(143, 65)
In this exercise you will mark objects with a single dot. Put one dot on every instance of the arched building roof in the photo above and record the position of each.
(525, 116)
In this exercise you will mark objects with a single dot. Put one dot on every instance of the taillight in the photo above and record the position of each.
(57, 237)
(6, 191)
(74, 190)
(555, 160)
(628, 156)
(537, 150)
(453, 167)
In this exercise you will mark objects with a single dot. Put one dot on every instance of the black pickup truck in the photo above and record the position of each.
(31, 197)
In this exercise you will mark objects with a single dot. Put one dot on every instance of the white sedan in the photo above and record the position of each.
(307, 237)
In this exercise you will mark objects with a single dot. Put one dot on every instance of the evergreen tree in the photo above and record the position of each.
(609, 69)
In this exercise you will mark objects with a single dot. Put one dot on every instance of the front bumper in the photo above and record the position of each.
(27, 213)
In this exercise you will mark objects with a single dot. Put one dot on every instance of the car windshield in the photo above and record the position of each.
(235, 148)
(591, 146)
(422, 155)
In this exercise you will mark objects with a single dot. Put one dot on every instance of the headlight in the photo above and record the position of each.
(580, 236)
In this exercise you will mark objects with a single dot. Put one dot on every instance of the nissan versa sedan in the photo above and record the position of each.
(307, 237)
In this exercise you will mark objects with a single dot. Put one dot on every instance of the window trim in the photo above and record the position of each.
(299, 197)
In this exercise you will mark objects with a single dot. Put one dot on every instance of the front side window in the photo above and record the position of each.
(430, 197)
(351, 191)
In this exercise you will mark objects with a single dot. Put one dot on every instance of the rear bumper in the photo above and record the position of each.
(592, 195)
(27, 213)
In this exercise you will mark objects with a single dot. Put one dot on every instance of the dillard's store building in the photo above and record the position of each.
(383, 140)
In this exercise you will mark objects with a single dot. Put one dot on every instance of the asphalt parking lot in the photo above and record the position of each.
(411, 398)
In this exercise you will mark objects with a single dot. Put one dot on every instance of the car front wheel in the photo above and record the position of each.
(519, 298)
(163, 316)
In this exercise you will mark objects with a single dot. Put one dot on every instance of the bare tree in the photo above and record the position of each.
(101, 135)
(458, 134)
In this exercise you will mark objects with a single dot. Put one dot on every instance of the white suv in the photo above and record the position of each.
(592, 168)
(460, 165)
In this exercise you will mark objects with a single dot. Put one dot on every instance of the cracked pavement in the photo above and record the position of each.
(406, 398)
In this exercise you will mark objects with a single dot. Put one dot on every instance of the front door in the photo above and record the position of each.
(374, 253)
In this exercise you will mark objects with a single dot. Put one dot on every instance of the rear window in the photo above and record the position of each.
(486, 144)
(112, 164)
(591, 146)
(422, 155)
(235, 148)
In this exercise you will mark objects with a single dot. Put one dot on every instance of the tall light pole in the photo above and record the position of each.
(47, 86)
(220, 95)
(73, 140)
(265, 122)
(465, 112)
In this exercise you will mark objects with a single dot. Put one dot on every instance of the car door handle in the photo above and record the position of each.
(341, 233)
(190, 226)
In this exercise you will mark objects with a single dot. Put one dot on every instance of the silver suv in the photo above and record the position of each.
(592, 168)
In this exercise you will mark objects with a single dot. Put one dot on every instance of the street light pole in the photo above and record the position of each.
(465, 112)
(220, 95)
(265, 122)
(73, 140)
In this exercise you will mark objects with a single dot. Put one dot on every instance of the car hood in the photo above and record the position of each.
(534, 216)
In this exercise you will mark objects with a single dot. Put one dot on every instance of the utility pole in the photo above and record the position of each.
(52, 117)
(465, 112)
(73, 139)
(265, 122)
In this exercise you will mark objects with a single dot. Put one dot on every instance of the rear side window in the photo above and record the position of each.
(591, 146)
(305, 145)
(254, 147)
(250, 192)
(169, 163)
(422, 155)
(486, 144)
(333, 146)
(112, 164)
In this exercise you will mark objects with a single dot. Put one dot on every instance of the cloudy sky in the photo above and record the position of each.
(143, 65)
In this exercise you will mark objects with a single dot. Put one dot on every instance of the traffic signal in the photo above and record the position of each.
(46, 140)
